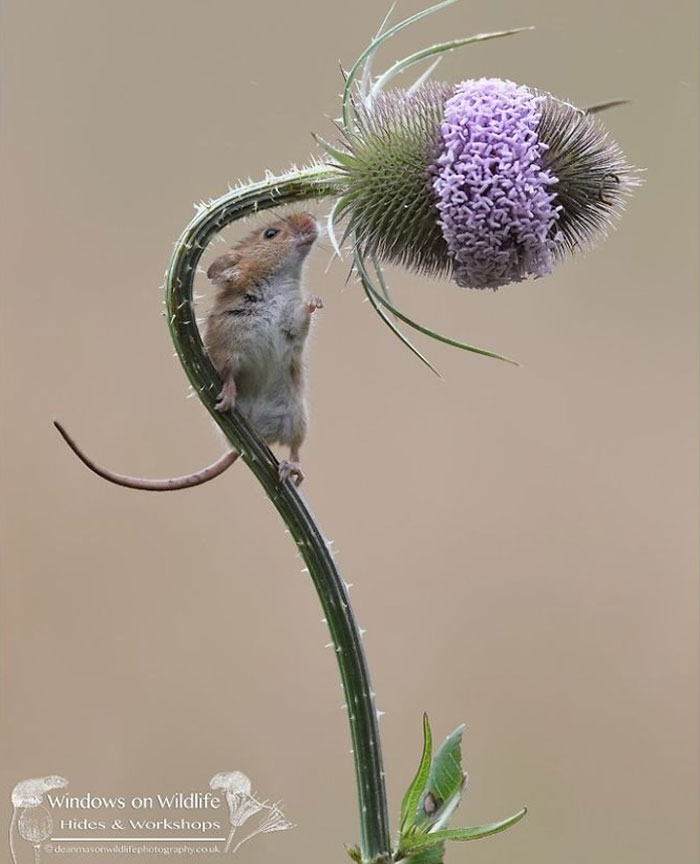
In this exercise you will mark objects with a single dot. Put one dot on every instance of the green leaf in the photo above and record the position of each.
(390, 324)
(434, 838)
(371, 49)
(371, 289)
(437, 50)
(330, 230)
(430, 855)
(409, 805)
(355, 853)
(344, 159)
(443, 788)
(380, 278)
(395, 330)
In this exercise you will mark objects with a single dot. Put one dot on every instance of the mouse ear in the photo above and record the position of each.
(222, 271)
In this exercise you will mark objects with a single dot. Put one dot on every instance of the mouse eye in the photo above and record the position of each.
(270, 233)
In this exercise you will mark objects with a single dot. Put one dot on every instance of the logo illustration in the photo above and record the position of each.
(242, 804)
(33, 823)
(30, 818)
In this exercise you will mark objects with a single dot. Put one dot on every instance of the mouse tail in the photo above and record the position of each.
(197, 478)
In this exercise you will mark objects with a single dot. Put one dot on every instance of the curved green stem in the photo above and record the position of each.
(297, 185)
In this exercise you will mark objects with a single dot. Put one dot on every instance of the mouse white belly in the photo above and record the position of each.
(269, 381)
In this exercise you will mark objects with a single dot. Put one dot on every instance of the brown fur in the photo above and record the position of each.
(257, 327)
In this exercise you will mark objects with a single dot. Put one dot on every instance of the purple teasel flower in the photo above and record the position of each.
(496, 199)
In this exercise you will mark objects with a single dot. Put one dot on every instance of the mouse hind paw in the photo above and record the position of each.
(227, 397)
(289, 470)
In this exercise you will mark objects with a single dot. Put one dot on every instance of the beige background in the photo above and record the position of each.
(522, 541)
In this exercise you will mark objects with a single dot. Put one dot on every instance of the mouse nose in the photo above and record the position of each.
(306, 228)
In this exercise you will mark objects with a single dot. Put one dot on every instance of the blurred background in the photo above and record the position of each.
(522, 541)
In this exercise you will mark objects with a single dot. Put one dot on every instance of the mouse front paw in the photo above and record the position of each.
(313, 303)
(291, 471)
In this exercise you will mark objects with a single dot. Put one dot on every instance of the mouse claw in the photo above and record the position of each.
(224, 403)
(226, 399)
(291, 471)
(313, 303)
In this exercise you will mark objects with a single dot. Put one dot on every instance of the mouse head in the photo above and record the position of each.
(277, 248)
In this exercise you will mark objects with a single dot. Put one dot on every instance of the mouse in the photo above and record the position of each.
(255, 334)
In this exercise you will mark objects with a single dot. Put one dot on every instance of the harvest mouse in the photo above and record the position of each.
(255, 334)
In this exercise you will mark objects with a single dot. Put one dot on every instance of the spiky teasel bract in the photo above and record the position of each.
(389, 203)
(593, 177)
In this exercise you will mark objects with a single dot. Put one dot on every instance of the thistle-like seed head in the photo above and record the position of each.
(487, 182)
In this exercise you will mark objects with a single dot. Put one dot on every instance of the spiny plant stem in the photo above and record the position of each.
(316, 181)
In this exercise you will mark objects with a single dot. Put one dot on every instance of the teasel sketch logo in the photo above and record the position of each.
(242, 805)
(31, 820)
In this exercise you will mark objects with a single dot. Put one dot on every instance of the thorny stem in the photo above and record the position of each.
(316, 181)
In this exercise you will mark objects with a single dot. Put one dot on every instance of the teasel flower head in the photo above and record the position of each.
(486, 182)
